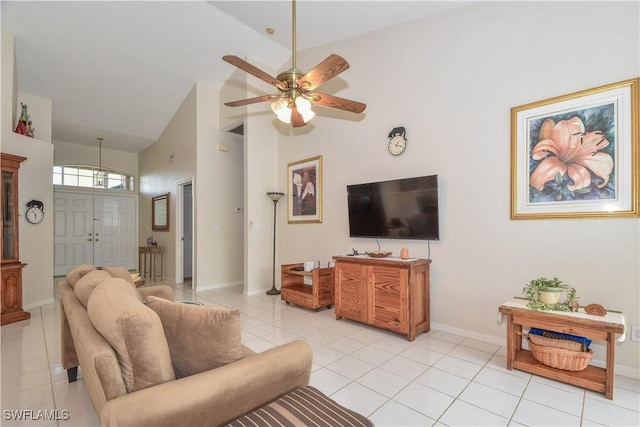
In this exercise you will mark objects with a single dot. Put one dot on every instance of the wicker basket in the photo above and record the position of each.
(561, 358)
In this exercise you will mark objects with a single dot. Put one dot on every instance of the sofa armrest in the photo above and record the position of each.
(217, 396)
(160, 291)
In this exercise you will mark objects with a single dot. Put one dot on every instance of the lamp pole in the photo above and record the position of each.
(275, 196)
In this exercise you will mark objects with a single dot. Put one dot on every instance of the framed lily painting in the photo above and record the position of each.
(577, 155)
(304, 191)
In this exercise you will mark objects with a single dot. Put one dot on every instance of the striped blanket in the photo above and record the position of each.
(306, 407)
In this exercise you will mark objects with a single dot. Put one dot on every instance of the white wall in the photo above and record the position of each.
(192, 137)
(69, 153)
(451, 80)
(218, 196)
(261, 173)
(36, 241)
(170, 160)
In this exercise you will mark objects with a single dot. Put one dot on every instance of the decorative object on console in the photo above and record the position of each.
(274, 196)
(595, 309)
(293, 104)
(378, 254)
(35, 211)
(304, 184)
(24, 126)
(404, 253)
(575, 155)
(545, 294)
(397, 141)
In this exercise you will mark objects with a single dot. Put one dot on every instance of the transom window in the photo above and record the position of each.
(92, 177)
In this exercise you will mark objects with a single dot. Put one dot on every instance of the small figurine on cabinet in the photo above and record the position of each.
(25, 127)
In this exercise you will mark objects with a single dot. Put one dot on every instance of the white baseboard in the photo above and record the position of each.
(258, 291)
(625, 371)
(217, 286)
(38, 304)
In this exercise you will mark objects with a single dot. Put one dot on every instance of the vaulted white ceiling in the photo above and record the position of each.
(120, 69)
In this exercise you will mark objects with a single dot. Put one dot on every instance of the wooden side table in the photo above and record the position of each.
(148, 253)
(594, 327)
(315, 295)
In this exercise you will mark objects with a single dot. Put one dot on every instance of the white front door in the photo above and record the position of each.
(73, 231)
(94, 229)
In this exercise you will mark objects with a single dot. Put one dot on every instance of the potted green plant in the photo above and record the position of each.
(545, 294)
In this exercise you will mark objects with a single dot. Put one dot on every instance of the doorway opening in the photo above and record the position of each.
(185, 248)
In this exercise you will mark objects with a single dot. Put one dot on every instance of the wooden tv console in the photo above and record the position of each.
(390, 293)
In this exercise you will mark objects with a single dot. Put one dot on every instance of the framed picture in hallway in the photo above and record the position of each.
(304, 195)
(577, 155)
(160, 213)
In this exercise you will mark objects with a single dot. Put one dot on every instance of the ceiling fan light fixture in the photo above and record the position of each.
(297, 89)
(304, 108)
(282, 110)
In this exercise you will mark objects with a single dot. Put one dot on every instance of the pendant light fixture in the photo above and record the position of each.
(100, 176)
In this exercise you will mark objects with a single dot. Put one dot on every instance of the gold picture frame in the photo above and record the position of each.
(304, 191)
(577, 155)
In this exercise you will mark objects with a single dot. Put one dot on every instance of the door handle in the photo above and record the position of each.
(89, 240)
(96, 240)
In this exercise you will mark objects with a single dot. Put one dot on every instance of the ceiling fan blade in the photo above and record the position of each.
(296, 118)
(252, 100)
(255, 71)
(327, 69)
(336, 102)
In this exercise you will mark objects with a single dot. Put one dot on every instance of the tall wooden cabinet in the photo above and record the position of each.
(388, 293)
(11, 292)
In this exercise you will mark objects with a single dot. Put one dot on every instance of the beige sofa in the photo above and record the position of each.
(210, 398)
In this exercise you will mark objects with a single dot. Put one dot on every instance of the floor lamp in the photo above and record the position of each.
(275, 196)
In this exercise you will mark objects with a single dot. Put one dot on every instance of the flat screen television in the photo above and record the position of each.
(396, 209)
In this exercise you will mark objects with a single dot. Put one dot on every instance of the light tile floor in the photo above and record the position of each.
(439, 379)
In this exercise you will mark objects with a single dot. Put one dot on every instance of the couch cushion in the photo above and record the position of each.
(120, 272)
(87, 284)
(134, 331)
(200, 337)
(76, 273)
(305, 406)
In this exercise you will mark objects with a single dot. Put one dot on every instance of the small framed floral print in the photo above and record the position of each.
(304, 191)
(577, 155)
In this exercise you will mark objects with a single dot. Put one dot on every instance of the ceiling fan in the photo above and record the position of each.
(297, 89)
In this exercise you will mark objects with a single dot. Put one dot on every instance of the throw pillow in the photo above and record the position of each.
(120, 272)
(87, 284)
(76, 273)
(134, 331)
(200, 337)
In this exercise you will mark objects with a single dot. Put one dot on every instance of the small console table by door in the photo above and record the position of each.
(594, 327)
(148, 253)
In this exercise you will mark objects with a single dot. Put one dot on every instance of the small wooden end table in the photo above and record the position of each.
(579, 323)
(150, 252)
